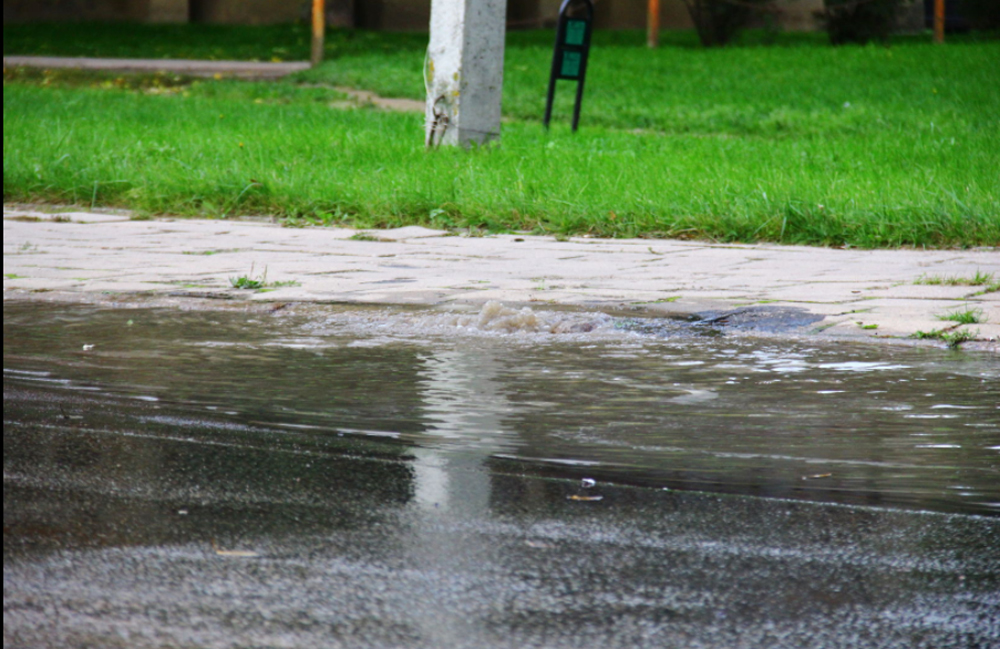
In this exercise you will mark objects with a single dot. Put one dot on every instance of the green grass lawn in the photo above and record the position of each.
(798, 142)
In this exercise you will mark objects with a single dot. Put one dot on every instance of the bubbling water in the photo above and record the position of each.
(492, 319)
(496, 317)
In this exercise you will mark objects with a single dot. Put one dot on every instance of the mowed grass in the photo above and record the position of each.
(799, 143)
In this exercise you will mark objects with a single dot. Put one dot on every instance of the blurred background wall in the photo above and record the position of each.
(390, 15)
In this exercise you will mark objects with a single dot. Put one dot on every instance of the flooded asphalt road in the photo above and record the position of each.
(412, 479)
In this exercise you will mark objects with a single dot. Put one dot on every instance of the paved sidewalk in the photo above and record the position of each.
(860, 293)
(242, 69)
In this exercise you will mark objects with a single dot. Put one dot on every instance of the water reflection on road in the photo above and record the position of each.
(406, 478)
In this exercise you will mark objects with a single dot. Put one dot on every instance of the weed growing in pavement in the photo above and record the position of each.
(933, 334)
(979, 279)
(953, 338)
(992, 287)
(662, 300)
(966, 317)
(249, 281)
(209, 253)
(368, 236)
(259, 283)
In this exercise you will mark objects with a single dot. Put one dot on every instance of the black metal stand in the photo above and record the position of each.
(569, 59)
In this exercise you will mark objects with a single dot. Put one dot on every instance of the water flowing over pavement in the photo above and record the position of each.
(319, 476)
(867, 294)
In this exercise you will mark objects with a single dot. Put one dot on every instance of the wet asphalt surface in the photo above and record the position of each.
(137, 522)
(120, 532)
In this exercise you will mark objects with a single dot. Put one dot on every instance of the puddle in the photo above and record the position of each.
(558, 393)
(375, 478)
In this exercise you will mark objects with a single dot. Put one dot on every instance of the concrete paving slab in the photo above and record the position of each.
(860, 294)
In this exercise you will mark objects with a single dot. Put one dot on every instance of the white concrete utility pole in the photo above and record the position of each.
(465, 71)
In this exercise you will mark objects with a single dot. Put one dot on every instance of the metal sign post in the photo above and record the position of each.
(569, 60)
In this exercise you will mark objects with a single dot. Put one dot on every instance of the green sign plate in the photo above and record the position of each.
(570, 64)
(576, 30)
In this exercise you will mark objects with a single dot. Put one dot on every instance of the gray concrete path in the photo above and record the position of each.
(238, 69)
(243, 69)
(861, 293)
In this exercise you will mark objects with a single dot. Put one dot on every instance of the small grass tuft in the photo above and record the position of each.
(249, 282)
(966, 317)
(992, 287)
(979, 279)
(933, 334)
(368, 236)
(953, 339)
(209, 253)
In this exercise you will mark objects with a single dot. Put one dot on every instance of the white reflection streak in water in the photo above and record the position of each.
(464, 406)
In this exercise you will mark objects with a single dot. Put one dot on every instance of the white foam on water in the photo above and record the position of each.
(859, 366)
(496, 317)
(493, 319)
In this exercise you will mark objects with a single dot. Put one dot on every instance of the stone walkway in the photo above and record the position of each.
(242, 69)
(238, 69)
(861, 294)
